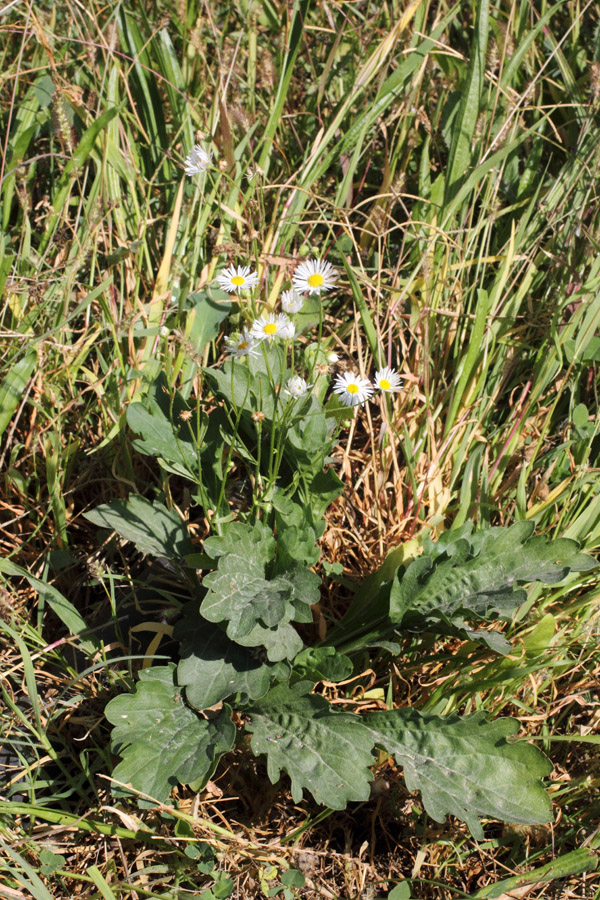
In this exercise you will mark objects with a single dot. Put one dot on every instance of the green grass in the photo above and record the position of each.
(446, 160)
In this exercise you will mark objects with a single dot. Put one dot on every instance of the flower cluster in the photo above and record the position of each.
(354, 390)
(312, 277)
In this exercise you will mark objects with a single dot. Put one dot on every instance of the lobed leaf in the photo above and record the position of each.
(323, 664)
(323, 750)
(161, 740)
(213, 667)
(485, 586)
(258, 610)
(466, 767)
(248, 542)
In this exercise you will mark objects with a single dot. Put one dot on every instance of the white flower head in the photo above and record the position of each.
(296, 387)
(288, 330)
(332, 358)
(314, 276)
(272, 326)
(240, 344)
(163, 331)
(291, 301)
(352, 389)
(236, 278)
(387, 380)
(198, 160)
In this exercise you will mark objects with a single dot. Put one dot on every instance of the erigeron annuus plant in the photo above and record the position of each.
(244, 634)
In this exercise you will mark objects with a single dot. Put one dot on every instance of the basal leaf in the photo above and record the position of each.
(239, 594)
(304, 587)
(296, 534)
(257, 609)
(212, 667)
(485, 586)
(465, 766)
(323, 750)
(160, 739)
(152, 527)
(281, 642)
(463, 577)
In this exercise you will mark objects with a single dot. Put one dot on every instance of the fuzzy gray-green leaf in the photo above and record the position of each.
(323, 750)
(163, 741)
(466, 767)
(212, 667)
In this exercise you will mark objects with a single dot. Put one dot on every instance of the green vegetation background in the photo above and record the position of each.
(447, 160)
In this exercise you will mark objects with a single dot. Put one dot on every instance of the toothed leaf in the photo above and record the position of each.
(484, 586)
(161, 740)
(258, 610)
(323, 750)
(213, 667)
(465, 766)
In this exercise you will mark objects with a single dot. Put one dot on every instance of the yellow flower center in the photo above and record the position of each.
(270, 328)
(243, 345)
(316, 279)
(352, 388)
(384, 384)
(237, 280)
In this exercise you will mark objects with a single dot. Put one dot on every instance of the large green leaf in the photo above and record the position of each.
(470, 577)
(152, 527)
(466, 767)
(244, 390)
(484, 586)
(296, 532)
(257, 609)
(163, 741)
(281, 642)
(213, 667)
(205, 317)
(322, 664)
(323, 750)
(164, 423)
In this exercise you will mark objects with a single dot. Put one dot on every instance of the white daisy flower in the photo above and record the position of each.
(314, 276)
(291, 301)
(388, 380)
(352, 389)
(288, 330)
(198, 160)
(271, 326)
(296, 387)
(240, 344)
(237, 278)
